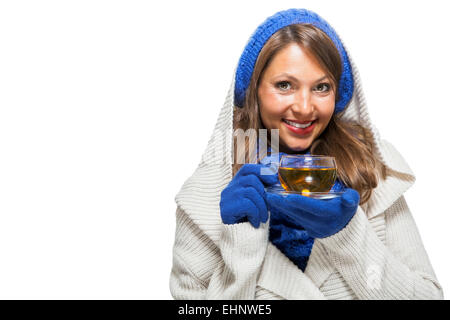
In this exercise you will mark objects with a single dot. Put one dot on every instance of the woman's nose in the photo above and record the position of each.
(303, 102)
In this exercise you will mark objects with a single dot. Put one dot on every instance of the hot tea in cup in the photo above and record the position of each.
(307, 173)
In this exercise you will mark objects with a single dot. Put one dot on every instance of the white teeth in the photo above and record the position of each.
(298, 125)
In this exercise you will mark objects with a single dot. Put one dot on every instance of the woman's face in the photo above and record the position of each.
(296, 97)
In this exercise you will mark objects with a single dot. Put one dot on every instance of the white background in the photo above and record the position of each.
(106, 108)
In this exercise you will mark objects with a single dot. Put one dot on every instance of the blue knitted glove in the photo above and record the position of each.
(244, 197)
(320, 218)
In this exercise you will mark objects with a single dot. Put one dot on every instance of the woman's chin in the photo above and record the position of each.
(294, 149)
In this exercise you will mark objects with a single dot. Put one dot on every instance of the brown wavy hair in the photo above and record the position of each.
(350, 143)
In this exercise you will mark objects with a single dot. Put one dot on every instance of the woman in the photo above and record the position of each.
(234, 240)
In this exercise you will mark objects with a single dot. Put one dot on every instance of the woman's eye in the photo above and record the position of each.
(323, 87)
(284, 85)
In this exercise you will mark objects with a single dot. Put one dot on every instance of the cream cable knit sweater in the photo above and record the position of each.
(378, 255)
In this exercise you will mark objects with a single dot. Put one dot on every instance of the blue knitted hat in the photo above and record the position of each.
(267, 29)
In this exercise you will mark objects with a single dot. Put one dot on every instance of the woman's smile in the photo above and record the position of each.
(300, 128)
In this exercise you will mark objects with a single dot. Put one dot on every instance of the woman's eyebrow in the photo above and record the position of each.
(284, 74)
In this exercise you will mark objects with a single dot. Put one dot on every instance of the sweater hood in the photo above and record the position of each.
(199, 197)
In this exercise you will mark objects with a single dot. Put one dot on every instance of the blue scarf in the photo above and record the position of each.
(291, 238)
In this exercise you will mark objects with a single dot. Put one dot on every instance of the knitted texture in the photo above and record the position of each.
(291, 238)
(380, 258)
(379, 254)
(267, 29)
(243, 198)
(321, 218)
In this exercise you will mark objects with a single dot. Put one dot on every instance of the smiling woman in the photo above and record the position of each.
(295, 103)
(235, 239)
(298, 87)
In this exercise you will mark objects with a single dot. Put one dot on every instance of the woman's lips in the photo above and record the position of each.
(297, 130)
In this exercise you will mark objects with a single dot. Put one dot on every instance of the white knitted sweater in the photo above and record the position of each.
(378, 255)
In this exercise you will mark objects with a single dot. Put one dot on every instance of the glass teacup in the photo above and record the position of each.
(307, 174)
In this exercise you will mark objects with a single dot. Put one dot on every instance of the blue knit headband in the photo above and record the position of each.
(266, 30)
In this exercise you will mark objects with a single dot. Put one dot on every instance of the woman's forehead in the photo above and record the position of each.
(294, 62)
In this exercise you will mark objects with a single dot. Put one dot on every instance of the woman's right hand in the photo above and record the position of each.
(244, 199)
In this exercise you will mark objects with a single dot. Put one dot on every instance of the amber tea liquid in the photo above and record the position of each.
(306, 180)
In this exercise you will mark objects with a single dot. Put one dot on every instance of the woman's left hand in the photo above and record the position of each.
(320, 218)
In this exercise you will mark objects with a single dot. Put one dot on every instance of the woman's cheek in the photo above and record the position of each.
(270, 121)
